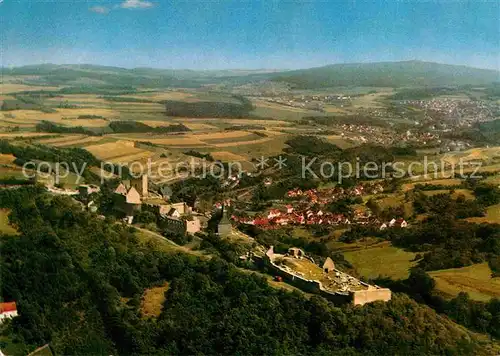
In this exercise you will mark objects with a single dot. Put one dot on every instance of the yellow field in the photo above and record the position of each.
(222, 135)
(5, 123)
(266, 104)
(23, 134)
(472, 154)
(475, 280)
(196, 126)
(55, 140)
(159, 96)
(178, 141)
(12, 88)
(33, 116)
(370, 100)
(492, 216)
(257, 122)
(114, 149)
(226, 156)
(243, 143)
(273, 146)
(216, 139)
(6, 158)
(152, 301)
(139, 156)
(5, 227)
(78, 142)
(339, 141)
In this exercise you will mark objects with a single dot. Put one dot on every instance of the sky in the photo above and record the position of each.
(237, 34)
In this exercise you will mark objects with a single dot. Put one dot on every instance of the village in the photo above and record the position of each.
(461, 112)
(310, 102)
(308, 208)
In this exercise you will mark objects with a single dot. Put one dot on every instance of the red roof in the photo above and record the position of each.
(7, 307)
(261, 221)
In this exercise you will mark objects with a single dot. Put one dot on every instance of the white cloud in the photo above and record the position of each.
(136, 4)
(99, 10)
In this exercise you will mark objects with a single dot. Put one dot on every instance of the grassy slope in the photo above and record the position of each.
(385, 260)
(475, 280)
(5, 227)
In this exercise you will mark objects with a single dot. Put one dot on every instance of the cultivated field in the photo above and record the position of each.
(66, 117)
(6, 158)
(226, 156)
(6, 88)
(475, 280)
(119, 150)
(475, 154)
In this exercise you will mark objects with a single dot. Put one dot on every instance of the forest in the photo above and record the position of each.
(78, 159)
(78, 282)
(135, 126)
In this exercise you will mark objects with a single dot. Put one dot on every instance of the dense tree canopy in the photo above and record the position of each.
(78, 282)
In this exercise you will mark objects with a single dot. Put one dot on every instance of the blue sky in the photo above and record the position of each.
(248, 34)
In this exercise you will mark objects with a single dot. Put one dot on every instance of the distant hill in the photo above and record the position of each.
(387, 74)
(384, 74)
(96, 75)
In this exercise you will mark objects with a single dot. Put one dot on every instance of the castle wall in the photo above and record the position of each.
(312, 286)
(371, 295)
(193, 226)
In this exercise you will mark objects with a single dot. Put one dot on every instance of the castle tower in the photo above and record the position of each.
(224, 228)
(141, 185)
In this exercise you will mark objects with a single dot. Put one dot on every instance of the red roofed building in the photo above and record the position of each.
(401, 223)
(273, 213)
(7, 310)
(261, 221)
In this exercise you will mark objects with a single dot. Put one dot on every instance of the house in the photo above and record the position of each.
(127, 201)
(383, 226)
(289, 209)
(392, 222)
(282, 220)
(273, 213)
(165, 209)
(328, 266)
(129, 194)
(7, 310)
(401, 223)
(193, 226)
(174, 213)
